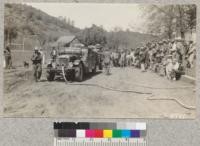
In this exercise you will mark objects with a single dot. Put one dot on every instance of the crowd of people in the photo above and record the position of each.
(166, 57)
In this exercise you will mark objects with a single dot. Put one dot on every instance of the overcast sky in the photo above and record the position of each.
(107, 15)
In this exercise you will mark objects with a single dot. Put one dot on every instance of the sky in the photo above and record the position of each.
(125, 16)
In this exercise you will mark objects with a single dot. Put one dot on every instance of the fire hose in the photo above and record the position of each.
(127, 91)
(176, 100)
(101, 86)
(139, 85)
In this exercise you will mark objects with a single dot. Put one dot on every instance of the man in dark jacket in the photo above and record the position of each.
(142, 59)
(37, 64)
(8, 59)
(107, 61)
(54, 54)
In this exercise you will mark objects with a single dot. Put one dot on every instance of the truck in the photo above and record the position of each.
(73, 64)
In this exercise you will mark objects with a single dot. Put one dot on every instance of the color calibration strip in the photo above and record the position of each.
(100, 130)
(105, 134)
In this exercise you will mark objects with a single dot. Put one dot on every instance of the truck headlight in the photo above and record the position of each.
(70, 65)
(53, 64)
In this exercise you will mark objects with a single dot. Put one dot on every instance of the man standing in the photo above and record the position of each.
(123, 59)
(54, 54)
(8, 59)
(142, 59)
(37, 64)
(191, 55)
(107, 61)
(43, 56)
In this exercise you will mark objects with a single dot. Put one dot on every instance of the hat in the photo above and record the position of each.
(36, 48)
(91, 47)
(165, 41)
(168, 56)
(174, 60)
(179, 39)
(98, 46)
(172, 41)
(142, 48)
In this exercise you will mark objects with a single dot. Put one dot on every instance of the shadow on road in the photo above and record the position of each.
(87, 77)
(91, 75)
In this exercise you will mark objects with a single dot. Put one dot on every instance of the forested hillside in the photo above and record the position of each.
(23, 21)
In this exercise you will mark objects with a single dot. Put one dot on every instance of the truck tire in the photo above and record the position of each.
(79, 73)
(100, 66)
(50, 76)
(94, 70)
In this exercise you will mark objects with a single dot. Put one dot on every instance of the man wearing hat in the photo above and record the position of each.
(175, 70)
(137, 57)
(107, 61)
(8, 59)
(142, 59)
(191, 55)
(99, 50)
(173, 49)
(37, 64)
(54, 54)
(123, 59)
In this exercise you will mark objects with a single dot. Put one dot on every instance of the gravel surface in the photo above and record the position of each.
(25, 98)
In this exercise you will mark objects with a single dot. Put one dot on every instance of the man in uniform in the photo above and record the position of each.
(142, 59)
(8, 59)
(37, 64)
(107, 61)
(54, 54)
(191, 55)
(123, 58)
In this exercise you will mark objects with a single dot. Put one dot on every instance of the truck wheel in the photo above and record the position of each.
(50, 76)
(79, 73)
(100, 66)
(94, 70)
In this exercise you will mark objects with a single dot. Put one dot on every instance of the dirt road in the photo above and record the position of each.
(24, 97)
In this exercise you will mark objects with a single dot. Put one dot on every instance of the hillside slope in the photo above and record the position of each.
(131, 39)
(26, 21)
(23, 21)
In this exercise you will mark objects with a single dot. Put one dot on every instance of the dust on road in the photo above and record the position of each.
(26, 98)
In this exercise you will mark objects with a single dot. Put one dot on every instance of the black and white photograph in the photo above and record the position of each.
(99, 60)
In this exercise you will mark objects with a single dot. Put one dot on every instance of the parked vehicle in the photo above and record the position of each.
(73, 63)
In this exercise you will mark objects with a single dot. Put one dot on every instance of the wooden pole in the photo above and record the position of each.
(23, 44)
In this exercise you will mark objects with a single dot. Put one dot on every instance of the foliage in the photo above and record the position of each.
(93, 35)
(115, 40)
(28, 21)
(35, 24)
(166, 19)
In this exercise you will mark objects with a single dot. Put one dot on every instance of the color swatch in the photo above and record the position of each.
(100, 130)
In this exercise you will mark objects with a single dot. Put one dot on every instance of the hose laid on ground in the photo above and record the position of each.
(167, 88)
(109, 88)
(112, 89)
(63, 73)
(144, 86)
(100, 86)
(176, 100)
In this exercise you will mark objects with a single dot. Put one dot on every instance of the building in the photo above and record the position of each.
(67, 41)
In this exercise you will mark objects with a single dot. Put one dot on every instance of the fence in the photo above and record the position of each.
(24, 51)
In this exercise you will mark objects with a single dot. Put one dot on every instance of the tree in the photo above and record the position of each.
(10, 30)
(10, 34)
(166, 19)
(93, 35)
(118, 38)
